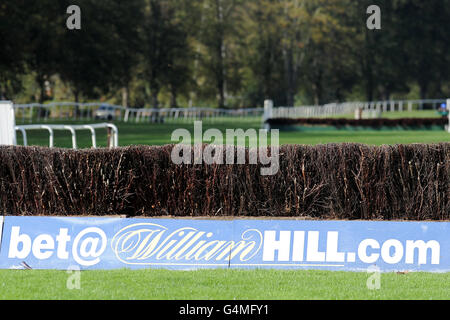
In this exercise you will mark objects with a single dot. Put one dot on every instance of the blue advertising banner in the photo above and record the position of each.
(109, 243)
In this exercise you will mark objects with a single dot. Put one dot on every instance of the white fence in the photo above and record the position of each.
(62, 111)
(370, 108)
(30, 113)
(8, 129)
(113, 138)
(374, 107)
(188, 114)
(315, 111)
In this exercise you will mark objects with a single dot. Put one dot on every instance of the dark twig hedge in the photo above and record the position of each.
(371, 123)
(333, 181)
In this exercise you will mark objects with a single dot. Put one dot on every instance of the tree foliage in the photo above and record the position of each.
(226, 53)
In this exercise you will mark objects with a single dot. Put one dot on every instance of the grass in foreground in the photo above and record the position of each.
(221, 284)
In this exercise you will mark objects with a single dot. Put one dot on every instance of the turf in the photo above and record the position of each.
(220, 284)
(226, 284)
(160, 134)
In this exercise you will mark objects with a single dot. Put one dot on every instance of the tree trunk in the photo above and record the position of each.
(317, 93)
(316, 98)
(125, 95)
(2, 93)
(220, 87)
(317, 88)
(423, 90)
(192, 93)
(155, 102)
(288, 56)
(289, 77)
(369, 83)
(173, 97)
(220, 52)
(41, 82)
(367, 63)
(77, 107)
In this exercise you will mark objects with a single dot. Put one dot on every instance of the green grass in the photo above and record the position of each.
(226, 284)
(160, 134)
(221, 284)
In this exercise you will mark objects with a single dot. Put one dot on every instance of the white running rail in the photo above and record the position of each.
(373, 107)
(35, 112)
(29, 113)
(8, 129)
(112, 142)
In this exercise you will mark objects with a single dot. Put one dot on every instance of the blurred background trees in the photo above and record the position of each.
(224, 53)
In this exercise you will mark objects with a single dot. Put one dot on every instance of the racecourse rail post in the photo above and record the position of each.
(109, 136)
(7, 124)
(448, 109)
(268, 109)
